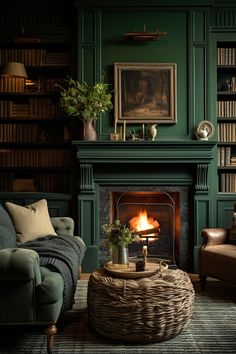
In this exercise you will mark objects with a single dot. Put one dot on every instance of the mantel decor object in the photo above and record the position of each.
(145, 93)
(145, 35)
(205, 130)
(87, 102)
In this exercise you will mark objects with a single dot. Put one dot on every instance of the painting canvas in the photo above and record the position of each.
(145, 93)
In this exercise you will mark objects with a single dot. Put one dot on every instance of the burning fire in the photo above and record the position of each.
(143, 222)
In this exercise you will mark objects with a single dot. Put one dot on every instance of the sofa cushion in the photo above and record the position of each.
(31, 221)
(232, 232)
(7, 231)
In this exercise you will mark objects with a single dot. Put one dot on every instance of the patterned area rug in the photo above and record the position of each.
(212, 329)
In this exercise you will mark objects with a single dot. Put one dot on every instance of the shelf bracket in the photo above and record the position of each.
(201, 184)
(86, 183)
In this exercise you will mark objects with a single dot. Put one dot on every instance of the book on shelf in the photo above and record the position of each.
(226, 56)
(12, 84)
(226, 109)
(24, 185)
(49, 158)
(224, 156)
(227, 132)
(228, 182)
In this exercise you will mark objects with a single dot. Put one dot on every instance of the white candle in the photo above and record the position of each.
(145, 251)
(124, 130)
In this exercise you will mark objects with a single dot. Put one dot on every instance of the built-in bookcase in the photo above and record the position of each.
(226, 113)
(34, 132)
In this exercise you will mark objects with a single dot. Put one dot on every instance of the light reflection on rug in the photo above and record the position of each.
(211, 330)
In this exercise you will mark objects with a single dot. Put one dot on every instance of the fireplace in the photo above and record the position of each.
(154, 216)
(170, 178)
(169, 206)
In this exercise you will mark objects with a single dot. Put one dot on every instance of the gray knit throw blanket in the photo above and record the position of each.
(62, 254)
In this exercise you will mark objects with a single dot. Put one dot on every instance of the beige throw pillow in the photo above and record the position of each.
(31, 221)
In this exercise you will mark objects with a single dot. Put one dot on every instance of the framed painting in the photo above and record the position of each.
(145, 93)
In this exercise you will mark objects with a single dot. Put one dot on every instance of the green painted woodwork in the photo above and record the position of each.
(225, 208)
(193, 29)
(113, 47)
(58, 204)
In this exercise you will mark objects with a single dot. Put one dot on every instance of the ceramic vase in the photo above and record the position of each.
(89, 132)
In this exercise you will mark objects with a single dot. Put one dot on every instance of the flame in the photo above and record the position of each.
(143, 222)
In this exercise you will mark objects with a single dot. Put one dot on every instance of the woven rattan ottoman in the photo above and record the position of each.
(150, 309)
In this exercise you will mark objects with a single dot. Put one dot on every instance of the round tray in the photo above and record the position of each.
(130, 271)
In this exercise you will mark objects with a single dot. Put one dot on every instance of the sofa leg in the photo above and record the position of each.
(50, 331)
(202, 281)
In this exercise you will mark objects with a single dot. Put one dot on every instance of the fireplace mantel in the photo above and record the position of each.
(163, 164)
(195, 153)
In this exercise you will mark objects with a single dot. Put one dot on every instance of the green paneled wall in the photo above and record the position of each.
(113, 47)
(190, 43)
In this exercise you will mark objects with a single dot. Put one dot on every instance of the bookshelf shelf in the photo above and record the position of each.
(226, 112)
(226, 93)
(35, 148)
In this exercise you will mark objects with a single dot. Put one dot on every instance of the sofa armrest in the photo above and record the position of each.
(212, 237)
(20, 264)
(63, 225)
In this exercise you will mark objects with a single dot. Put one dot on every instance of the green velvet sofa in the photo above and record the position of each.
(31, 293)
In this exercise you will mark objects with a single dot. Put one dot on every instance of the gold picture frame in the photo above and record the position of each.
(145, 93)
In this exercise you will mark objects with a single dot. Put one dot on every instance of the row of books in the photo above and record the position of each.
(227, 182)
(40, 85)
(16, 132)
(227, 132)
(13, 84)
(224, 156)
(37, 108)
(226, 56)
(226, 109)
(19, 132)
(34, 158)
(53, 183)
(34, 57)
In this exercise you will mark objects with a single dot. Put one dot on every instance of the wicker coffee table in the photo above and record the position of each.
(148, 309)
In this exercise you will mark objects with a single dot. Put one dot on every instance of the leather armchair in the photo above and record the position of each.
(29, 293)
(217, 256)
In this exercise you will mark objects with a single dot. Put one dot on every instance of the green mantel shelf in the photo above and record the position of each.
(194, 151)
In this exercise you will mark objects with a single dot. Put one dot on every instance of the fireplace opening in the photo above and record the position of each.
(155, 216)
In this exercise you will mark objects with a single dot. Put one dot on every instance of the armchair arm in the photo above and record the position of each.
(20, 264)
(212, 237)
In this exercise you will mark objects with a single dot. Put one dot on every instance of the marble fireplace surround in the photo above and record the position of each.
(106, 166)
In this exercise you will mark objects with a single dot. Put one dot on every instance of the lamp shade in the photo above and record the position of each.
(14, 69)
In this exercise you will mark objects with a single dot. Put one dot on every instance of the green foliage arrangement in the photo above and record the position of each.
(119, 235)
(84, 101)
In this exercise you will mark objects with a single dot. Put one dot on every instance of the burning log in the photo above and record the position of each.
(147, 232)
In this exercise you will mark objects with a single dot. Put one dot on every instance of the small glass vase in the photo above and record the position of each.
(120, 257)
